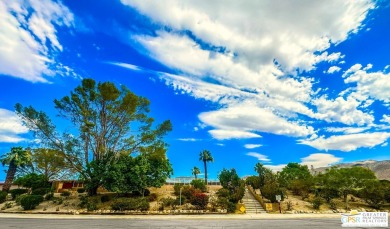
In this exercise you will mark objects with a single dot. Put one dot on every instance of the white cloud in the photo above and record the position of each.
(252, 68)
(333, 69)
(11, 127)
(232, 134)
(376, 85)
(348, 142)
(386, 119)
(28, 41)
(252, 146)
(259, 156)
(342, 110)
(315, 159)
(320, 160)
(290, 36)
(247, 118)
(346, 130)
(188, 139)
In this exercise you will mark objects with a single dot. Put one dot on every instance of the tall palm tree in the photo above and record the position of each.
(261, 170)
(205, 156)
(195, 172)
(18, 157)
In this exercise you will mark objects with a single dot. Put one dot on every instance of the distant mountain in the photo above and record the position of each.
(380, 168)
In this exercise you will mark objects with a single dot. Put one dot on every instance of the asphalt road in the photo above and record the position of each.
(29, 223)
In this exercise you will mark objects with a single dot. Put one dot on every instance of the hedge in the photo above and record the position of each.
(29, 202)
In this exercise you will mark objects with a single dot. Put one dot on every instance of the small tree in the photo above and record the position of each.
(346, 180)
(374, 193)
(18, 157)
(195, 171)
(205, 156)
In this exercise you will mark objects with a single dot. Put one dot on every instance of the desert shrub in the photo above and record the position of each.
(49, 196)
(152, 197)
(8, 205)
(166, 202)
(105, 198)
(231, 207)
(91, 205)
(177, 200)
(289, 205)
(17, 192)
(3, 196)
(332, 205)
(65, 193)
(199, 184)
(81, 190)
(300, 187)
(124, 204)
(40, 191)
(29, 202)
(176, 188)
(317, 202)
(223, 192)
(200, 200)
(139, 193)
(19, 198)
(83, 201)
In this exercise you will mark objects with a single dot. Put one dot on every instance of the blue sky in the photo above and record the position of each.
(254, 81)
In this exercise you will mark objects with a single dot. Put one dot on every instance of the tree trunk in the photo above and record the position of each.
(195, 176)
(346, 200)
(205, 171)
(10, 176)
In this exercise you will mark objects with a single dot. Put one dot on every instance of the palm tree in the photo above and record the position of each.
(261, 170)
(205, 156)
(195, 171)
(18, 157)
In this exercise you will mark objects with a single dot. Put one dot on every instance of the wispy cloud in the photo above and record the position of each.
(259, 156)
(252, 146)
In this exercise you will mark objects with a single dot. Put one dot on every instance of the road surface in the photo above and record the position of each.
(107, 223)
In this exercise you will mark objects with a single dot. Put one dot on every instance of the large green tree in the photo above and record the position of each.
(346, 180)
(195, 171)
(294, 171)
(107, 121)
(205, 156)
(17, 157)
(261, 170)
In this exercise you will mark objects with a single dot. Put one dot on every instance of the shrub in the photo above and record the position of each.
(81, 190)
(166, 202)
(66, 193)
(17, 192)
(3, 196)
(105, 198)
(178, 202)
(332, 205)
(124, 204)
(374, 194)
(177, 187)
(289, 205)
(19, 198)
(152, 197)
(49, 196)
(29, 202)
(199, 184)
(231, 207)
(40, 191)
(33, 181)
(316, 203)
(138, 193)
(200, 200)
(92, 206)
(83, 201)
(223, 192)
(328, 194)
(8, 205)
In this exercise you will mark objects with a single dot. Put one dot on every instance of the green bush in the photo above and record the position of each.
(374, 194)
(81, 190)
(49, 196)
(199, 184)
(8, 205)
(17, 192)
(177, 201)
(332, 205)
(29, 202)
(92, 206)
(124, 204)
(200, 200)
(138, 193)
(19, 198)
(105, 198)
(65, 193)
(166, 202)
(40, 191)
(177, 187)
(33, 181)
(3, 196)
(317, 202)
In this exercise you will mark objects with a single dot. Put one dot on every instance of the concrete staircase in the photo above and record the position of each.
(252, 206)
